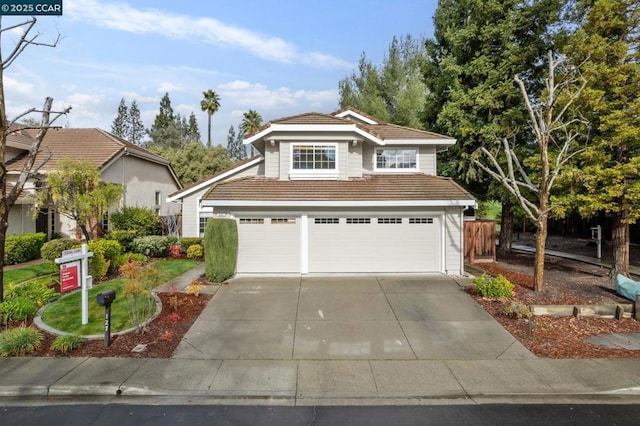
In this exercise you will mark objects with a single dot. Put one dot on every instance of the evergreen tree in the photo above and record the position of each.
(136, 128)
(231, 144)
(607, 177)
(477, 49)
(393, 92)
(121, 123)
(241, 149)
(168, 129)
(193, 132)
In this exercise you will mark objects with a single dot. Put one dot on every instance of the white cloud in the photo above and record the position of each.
(123, 17)
(258, 96)
(168, 87)
(17, 86)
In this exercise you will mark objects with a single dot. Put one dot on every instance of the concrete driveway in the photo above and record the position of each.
(375, 317)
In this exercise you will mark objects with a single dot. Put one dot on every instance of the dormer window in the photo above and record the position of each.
(314, 161)
(405, 159)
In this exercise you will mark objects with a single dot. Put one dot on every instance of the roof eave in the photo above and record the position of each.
(333, 203)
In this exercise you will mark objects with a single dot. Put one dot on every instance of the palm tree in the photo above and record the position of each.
(250, 123)
(210, 104)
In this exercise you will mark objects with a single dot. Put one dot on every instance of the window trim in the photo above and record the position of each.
(395, 170)
(328, 174)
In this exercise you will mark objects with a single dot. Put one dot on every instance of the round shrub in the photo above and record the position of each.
(53, 249)
(22, 248)
(19, 341)
(493, 288)
(124, 236)
(111, 251)
(142, 220)
(195, 251)
(153, 245)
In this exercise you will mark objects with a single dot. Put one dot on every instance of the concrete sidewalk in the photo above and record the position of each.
(227, 358)
(327, 382)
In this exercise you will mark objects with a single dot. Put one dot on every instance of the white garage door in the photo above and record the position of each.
(268, 244)
(375, 244)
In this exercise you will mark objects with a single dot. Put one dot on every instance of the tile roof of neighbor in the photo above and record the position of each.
(409, 187)
(94, 145)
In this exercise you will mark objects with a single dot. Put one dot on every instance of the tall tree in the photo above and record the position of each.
(136, 128)
(251, 122)
(77, 191)
(477, 49)
(556, 135)
(231, 143)
(9, 193)
(169, 129)
(607, 177)
(210, 104)
(121, 123)
(194, 161)
(395, 91)
(193, 131)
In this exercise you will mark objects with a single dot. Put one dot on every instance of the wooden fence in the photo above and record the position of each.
(480, 240)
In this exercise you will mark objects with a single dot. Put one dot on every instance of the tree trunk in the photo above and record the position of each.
(209, 131)
(620, 240)
(4, 225)
(506, 228)
(541, 242)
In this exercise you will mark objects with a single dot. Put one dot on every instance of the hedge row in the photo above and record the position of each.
(22, 248)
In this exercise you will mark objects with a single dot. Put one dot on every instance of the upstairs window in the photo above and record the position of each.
(396, 159)
(314, 157)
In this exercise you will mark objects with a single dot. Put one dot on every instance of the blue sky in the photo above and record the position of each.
(278, 57)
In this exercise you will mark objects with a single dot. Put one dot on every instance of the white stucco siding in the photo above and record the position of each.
(453, 241)
(142, 180)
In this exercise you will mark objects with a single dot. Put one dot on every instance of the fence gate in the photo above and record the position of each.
(480, 240)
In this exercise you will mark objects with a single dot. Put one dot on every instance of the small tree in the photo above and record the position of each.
(555, 137)
(76, 191)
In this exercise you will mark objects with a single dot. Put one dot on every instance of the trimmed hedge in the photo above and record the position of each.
(53, 249)
(221, 249)
(22, 248)
(153, 245)
(143, 220)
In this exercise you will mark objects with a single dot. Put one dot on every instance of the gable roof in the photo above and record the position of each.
(350, 120)
(97, 146)
(216, 177)
(409, 189)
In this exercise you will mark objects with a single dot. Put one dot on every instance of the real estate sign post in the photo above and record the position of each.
(70, 260)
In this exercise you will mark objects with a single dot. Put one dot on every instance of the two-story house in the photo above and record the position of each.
(336, 193)
(146, 177)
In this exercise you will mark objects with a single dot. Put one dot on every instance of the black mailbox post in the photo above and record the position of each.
(105, 299)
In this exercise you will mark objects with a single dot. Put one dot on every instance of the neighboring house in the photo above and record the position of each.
(147, 177)
(336, 193)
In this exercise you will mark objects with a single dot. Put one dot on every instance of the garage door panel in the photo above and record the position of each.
(391, 246)
(270, 245)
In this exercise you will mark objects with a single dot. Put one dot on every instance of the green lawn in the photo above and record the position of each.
(28, 272)
(65, 313)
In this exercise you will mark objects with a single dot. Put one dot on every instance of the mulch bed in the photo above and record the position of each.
(161, 336)
(559, 337)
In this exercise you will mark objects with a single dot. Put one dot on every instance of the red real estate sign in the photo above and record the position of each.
(69, 276)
